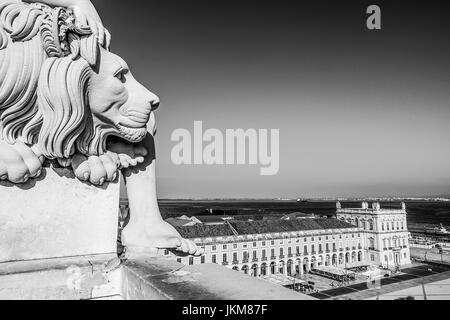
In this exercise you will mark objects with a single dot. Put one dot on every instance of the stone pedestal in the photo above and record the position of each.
(57, 216)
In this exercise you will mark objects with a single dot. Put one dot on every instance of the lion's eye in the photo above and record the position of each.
(121, 75)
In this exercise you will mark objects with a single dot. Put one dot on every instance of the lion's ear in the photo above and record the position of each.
(90, 49)
(85, 46)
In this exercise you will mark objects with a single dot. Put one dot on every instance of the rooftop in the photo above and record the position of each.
(261, 227)
(374, 209)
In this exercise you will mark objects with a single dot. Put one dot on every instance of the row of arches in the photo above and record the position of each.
(300, 266)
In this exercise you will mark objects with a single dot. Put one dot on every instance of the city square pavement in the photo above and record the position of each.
(436, 279)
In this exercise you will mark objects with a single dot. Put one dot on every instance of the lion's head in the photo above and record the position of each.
(60, 90)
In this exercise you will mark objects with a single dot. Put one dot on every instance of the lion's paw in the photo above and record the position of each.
(96, 169)
(129, 155)
(19, 163)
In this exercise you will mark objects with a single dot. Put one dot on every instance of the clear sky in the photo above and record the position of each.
(360, 112)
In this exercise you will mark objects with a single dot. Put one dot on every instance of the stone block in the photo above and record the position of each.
(57, 216)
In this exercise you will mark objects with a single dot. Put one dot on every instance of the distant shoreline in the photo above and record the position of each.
(311, 200)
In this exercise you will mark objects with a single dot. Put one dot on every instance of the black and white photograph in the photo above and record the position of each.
(217, 150)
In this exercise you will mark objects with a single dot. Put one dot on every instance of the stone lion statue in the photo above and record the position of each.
(66, 98)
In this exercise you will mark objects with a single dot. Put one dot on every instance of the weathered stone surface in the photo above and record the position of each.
(150, 278)
(78, 278)
(57, 216)
(162, 279)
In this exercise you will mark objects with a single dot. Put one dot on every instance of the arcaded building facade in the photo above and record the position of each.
(277, 246)
(385, 230)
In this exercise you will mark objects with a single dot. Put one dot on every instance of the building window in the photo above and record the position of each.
(403, 226)
(254, 255)
(370, 225)
(305, 250)
(320, 248)
(235, 246)
(225, 257)
(281, 251)
(382, 226)
(272, 243)
(320, 238)
(398, 226)
(327, 246)
(263, 243)
(305, 240)
(393, 226)
(245, 256)
(264, 253)
(166, 252)
(312, 249)
(214, 258)
(326, 238)
(272, 252)
(179, 260)
(254, 244)
(214, 248)
(202, 259)
(312, 238)
(290, 251)
(224, 247)
(191, 260)
(297, 249)
(235, 257)
(372, 257)
(244, 246)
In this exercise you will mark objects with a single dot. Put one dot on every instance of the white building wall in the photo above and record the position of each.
(341, 243)
(389, 232)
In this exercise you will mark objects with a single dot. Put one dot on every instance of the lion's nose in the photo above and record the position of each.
(154, 104)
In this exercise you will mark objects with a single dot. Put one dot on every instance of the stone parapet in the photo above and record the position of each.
(146, 278)
(160, 278)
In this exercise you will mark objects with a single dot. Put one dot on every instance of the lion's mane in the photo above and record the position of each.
(45, 67)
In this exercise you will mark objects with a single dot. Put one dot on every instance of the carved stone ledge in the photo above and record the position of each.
(155, 278)
(160, 278)
(77, 278)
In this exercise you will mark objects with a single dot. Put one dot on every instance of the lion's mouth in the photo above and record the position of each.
(133, 135)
